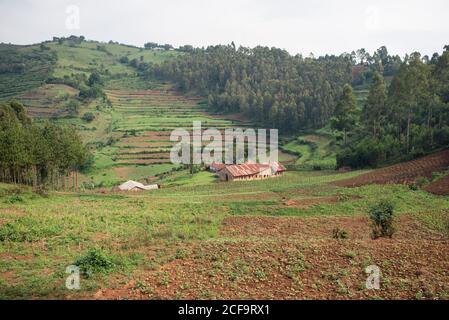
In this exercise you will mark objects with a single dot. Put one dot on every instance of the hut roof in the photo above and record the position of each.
(130, 185)
(249, 169)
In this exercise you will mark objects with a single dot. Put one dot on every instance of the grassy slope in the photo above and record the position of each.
(37, 66)
(146, 233)
(45, 101)
(142, 233)
(315, 150)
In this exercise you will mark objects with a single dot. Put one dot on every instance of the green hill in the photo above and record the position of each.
(129, 126)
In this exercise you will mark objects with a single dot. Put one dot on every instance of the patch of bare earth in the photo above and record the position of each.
(306, 203)
(297, 258)
(402, 173)
(439, 187)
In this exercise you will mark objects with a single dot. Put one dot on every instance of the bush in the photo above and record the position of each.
(15, 198)
(437, 175)
(88, 117)
(413, 186)
(381, 215)
(338, 233)
(422, 181)
(95, 261)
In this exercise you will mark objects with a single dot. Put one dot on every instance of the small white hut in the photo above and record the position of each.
(137, 186)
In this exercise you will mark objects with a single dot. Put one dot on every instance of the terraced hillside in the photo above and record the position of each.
(50, 100)
(23, 68)
(402, 173)
(313, 151)
(142, 122)
(129, 130)
(439, 187)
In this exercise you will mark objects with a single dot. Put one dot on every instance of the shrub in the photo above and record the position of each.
(88, 117)
(437, 175)
(422, 181)
(413, 186)
(381, 215)
(95, 261)
(338, 233)
(15, 198)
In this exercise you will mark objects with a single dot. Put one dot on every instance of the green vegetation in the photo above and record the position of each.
(107, 110)
(140, 232)
(315, 151)
(37, 155)
(95, 261)
(404, 120)
(267, 85)
(381, 215)
(23, 68)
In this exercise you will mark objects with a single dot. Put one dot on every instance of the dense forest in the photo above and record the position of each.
(38, 154)
(403, 120)
(267, 84)
(405, 115)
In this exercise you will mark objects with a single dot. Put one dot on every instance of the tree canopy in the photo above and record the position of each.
(37, 154)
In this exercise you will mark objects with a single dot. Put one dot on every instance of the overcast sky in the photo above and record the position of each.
(318, 26)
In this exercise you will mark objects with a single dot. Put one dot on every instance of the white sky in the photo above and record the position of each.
(318, 26)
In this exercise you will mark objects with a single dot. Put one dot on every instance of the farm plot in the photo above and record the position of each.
(403, 173)
(230, 241)
(28, 67)
(439, 187)
(48, 101)
(313, 151)
(145, 119)
(140, 124)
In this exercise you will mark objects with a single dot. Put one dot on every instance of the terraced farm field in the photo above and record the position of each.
(314, 151)
(402, 173)
(439, 187)
(47, 101)
(142, 121)
(28, 68)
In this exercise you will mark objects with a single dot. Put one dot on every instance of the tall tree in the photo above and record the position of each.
(374, 111)
(346, 112)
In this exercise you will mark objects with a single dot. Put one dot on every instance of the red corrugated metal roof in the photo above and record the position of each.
(249, 169)
(217, 166)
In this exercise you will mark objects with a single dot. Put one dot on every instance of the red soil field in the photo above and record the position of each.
(402, 173)
(439, 187)
(297, 259)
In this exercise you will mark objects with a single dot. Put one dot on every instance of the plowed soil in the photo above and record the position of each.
(297, 258)
(403, 173)
(439, 187)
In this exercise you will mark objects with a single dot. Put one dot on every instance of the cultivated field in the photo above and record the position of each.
(263, 239)
(403, 173)
(304, 235)
(314, 151)
(439, 187)
(48, 101)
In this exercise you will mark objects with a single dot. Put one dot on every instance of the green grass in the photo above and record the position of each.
(48, 234)
(154, 56)
(37, 66)
(314, 151)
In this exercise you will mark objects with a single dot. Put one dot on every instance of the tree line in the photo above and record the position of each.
(399, 121)
(267, 84)
(38, 155)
